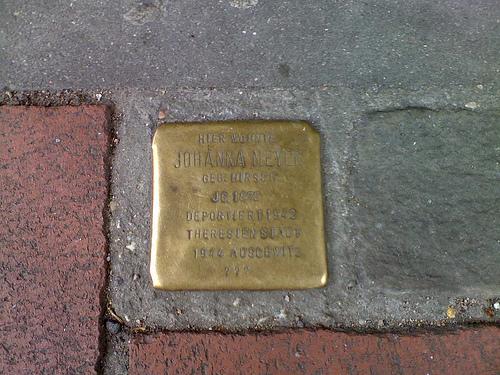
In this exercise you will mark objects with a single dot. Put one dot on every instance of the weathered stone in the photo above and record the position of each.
(427, 199)
(370, 167)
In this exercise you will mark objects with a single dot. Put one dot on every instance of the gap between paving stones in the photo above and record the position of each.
(103, 339)
(445, 327)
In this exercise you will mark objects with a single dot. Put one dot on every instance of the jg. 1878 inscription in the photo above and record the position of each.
(237, 205)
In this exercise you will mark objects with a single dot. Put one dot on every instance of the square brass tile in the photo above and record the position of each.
(237, 205)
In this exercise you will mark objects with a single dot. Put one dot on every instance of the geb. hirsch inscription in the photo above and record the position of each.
(237, 205)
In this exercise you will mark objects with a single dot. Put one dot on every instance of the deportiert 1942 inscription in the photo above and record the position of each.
(237, 205)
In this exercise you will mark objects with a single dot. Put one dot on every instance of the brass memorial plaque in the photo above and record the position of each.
(237, 205)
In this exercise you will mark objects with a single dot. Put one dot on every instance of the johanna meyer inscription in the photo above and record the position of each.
(237, 205)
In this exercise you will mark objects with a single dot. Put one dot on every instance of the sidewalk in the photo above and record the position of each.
(405, 98)
(57, 316)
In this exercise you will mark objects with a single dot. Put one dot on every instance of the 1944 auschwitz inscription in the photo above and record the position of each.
(237, 205)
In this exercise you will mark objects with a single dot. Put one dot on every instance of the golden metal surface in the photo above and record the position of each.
(237, 205)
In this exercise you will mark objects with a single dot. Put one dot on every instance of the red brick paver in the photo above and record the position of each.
(53, 191)
(471, 351)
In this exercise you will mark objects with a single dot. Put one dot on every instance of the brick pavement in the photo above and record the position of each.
(53, 190)
(322, 352)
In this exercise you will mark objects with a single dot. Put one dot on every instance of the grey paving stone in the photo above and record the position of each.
(395, 259)
(427, 197)
(91, 44)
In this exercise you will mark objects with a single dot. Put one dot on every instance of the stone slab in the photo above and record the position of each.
(91, 44)
(471, 351)
(53, 191)
(426, 198)
(389, 270)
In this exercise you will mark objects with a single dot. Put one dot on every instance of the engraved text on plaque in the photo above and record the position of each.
(237, 205)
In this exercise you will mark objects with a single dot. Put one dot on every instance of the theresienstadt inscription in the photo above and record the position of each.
(262, 233)
(237, 205)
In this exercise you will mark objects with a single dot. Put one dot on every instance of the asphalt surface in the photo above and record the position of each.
(235, 43)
